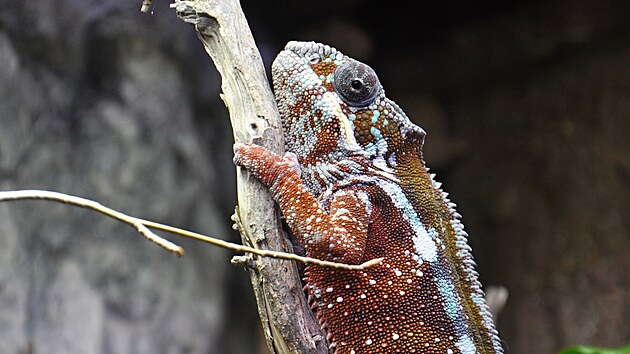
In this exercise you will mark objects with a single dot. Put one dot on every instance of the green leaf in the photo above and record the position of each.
(594, 350)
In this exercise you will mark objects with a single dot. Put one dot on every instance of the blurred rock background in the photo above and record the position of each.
(527, 109)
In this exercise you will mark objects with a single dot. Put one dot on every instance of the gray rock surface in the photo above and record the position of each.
(95, 102)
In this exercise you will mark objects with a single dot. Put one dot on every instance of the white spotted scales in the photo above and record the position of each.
(354, 187)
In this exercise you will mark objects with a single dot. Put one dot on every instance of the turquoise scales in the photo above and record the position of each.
(353, 187)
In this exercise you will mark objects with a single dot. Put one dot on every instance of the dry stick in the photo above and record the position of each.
(261, 252)
(142, 226)
(289, 325)
(90, 204)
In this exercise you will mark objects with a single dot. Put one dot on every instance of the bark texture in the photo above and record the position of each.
(288, 324)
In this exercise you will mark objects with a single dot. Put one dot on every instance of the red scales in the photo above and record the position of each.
(353, 187)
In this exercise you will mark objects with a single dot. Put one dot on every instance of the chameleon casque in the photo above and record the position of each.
(352, 187)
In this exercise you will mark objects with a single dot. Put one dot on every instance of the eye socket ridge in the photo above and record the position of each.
(356, 83)
(313, 58)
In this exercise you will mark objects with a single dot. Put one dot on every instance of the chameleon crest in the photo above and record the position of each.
(354, 187)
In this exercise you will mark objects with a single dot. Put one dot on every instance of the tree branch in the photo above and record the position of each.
(288, 323)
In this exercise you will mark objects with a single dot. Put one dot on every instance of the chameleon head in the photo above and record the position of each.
(334, 108)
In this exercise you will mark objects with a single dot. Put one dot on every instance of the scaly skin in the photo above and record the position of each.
(353, 187)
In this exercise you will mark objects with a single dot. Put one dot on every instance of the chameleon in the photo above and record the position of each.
(353, 186)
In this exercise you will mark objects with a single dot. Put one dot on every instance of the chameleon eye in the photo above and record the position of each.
(356, 83)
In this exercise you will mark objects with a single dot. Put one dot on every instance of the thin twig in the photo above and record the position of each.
(90, 204)
(143, 227)
(259, 252)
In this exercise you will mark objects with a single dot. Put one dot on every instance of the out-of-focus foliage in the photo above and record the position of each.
(594, 350)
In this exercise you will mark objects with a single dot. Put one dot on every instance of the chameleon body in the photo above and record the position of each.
(352, 187)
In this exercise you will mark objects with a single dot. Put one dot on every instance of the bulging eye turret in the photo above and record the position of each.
(356, 83)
